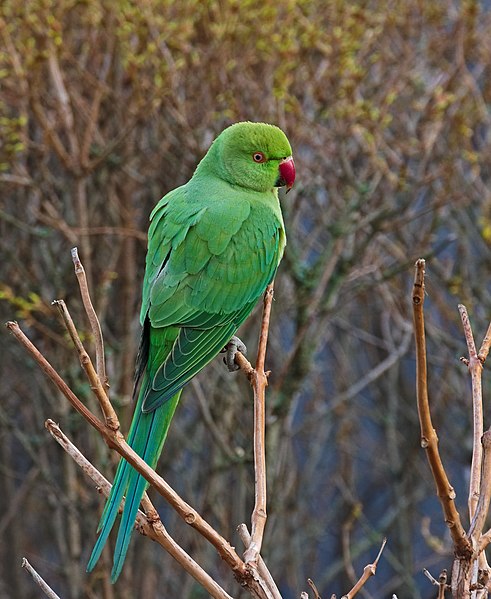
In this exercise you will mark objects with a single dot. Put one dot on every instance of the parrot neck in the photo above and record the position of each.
(211, 163)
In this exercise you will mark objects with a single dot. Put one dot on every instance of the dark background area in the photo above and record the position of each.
(104, 107)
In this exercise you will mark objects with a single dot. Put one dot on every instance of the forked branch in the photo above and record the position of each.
(251, 578)
(148, 524)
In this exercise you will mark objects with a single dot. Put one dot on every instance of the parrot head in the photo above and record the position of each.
(255, 156)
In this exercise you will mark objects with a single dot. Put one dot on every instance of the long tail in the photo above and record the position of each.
(146, 436)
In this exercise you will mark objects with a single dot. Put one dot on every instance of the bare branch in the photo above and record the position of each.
(94, 321)
(47, 590)
(429, 439)
(441, 583)
(368, 571)
(148, 524)
(486, 343)
(110, 415)
(54, 376)
(314, 588)
(259, 380)
(116, 441)
(482, 508)
(63, 100)
(261, 566)
(475, 368)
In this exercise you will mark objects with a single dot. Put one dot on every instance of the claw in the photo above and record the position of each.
(232, 347)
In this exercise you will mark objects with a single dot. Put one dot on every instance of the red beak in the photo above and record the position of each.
(287, 172)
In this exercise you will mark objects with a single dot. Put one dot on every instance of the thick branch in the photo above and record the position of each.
(429, 439)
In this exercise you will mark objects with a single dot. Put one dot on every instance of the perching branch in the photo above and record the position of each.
(259, 381)
(47, 590)
(429, 439)
(247, 576)
(148, 524)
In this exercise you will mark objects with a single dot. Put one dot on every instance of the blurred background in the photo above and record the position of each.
(107, 105)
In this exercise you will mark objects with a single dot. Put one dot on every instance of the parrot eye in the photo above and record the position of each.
(259, 157)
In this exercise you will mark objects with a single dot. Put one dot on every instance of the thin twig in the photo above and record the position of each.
(47, 590)
(63, 100)
(441, 583)
(94, 321)
(429, 439)
(259, 381)
(475, 369)
(110, 415)
(148, 524)
(485, 345)
(54, 376)
(314, 588)
(482, 508)
(368, 571)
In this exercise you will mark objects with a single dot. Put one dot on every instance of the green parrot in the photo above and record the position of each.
(214, 245)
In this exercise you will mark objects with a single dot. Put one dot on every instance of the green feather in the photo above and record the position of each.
(214, 244)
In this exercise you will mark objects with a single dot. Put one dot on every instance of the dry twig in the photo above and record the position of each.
(110, 416)
(314, 588)
(480, 479)
(116, 441)
(475, 368)
(259, 381)
(94, 321)
(47, 590)
(441, 583)
(368, 571)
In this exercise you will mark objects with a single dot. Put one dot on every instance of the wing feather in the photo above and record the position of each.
(215, 262)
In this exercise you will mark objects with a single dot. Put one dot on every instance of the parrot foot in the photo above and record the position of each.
(232, 347)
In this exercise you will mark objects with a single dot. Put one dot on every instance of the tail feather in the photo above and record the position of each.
(148, 447)
(147, 435)
(120, 483)
(110, 512)
(113, 502)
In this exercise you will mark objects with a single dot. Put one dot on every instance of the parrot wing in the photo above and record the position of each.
(193, 250)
